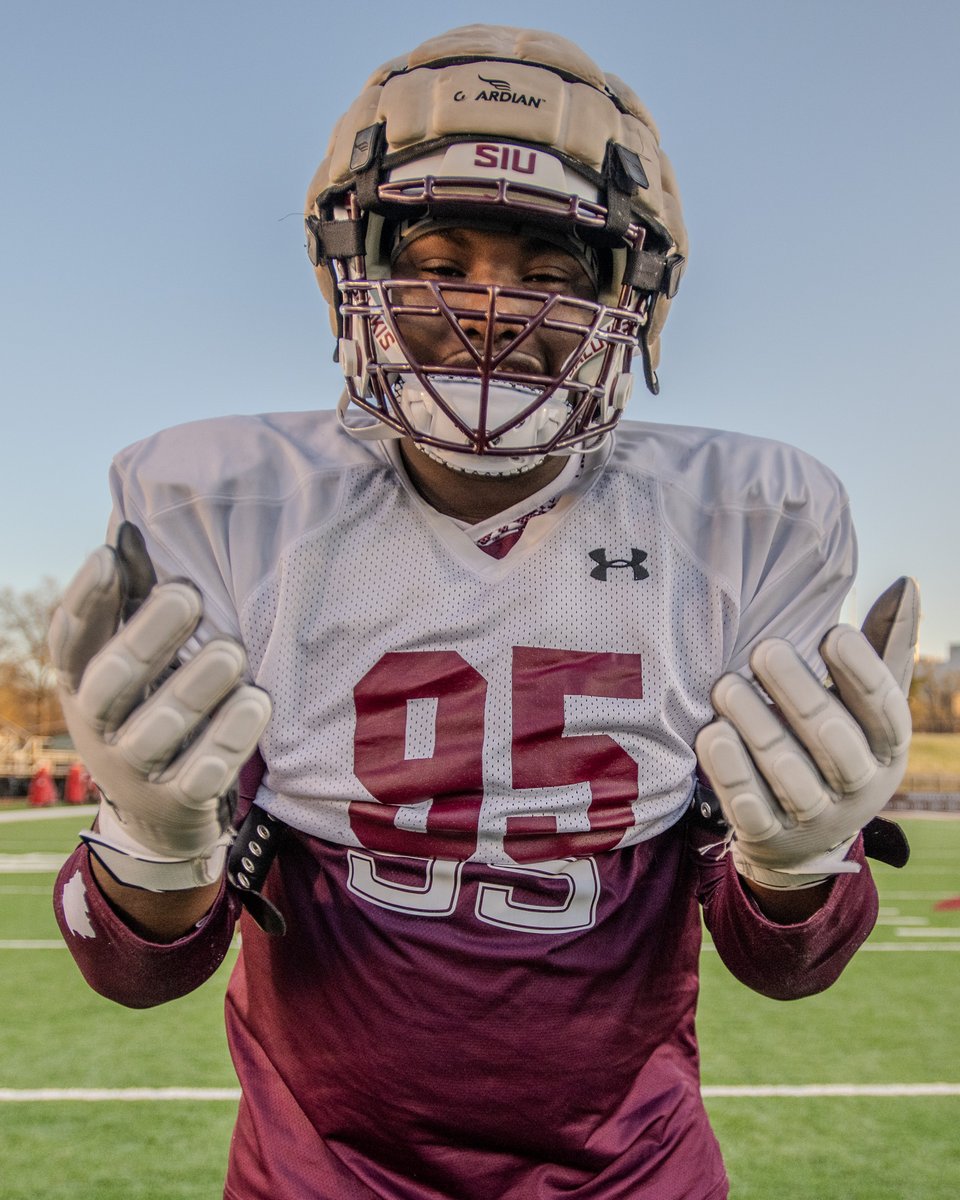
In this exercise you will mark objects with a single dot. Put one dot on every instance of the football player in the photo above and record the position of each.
(467, 637)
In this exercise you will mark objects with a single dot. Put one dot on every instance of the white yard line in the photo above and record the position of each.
(17, 1095)
(917, 895)
(895, 947)
(932, 931)
(31, 864)
(33, 944)
(891, 947)
(48, 814)
(837, 1089)
(934, 868)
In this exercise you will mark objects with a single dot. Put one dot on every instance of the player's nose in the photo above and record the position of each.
(492, 312)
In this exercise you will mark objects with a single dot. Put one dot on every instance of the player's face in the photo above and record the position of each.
(510, 260)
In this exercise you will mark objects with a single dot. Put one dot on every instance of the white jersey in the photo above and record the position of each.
(432, 701)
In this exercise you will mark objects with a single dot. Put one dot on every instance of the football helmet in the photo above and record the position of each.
(519, 130)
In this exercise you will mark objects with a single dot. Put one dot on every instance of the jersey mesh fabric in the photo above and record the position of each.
(376, 591)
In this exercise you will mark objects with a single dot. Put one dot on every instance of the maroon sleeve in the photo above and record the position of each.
(119, 964)
(784, 962)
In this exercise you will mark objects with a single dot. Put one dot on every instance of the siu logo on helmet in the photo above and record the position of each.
(604, 564)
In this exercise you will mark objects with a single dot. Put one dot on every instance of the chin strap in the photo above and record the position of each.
(378, 431)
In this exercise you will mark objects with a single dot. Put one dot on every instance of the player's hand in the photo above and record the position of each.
(163, 756)
(796, 788)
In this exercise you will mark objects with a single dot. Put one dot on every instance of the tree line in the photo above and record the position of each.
(935, 698)
(28, 695)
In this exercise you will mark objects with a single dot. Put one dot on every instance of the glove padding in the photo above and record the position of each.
(162, 758)
(797, 788)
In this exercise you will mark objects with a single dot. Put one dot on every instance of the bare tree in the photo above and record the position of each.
(935, 698)
(27, 686)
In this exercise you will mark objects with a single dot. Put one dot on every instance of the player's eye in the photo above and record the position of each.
(413, 267)
(566, 277)
(549, 278)
(442, 270)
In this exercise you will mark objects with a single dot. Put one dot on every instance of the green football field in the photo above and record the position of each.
(853, 1095)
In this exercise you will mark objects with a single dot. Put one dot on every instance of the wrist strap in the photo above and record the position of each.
(134, 865)
(158, 874)
(804, 875)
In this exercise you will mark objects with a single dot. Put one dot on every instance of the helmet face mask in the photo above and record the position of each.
(487, 377)
(488, 373)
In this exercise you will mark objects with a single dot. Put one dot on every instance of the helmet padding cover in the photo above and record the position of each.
(520, 86)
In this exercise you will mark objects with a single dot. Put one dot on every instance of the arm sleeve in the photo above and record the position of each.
(772, 526)
(206, 565)
(797, 592)
(119, 964)
(217, 501)
(784, 962)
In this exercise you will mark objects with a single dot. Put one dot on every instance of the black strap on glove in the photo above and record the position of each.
(883, 840)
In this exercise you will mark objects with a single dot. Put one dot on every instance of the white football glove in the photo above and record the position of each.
(164, 758)
(797, 788)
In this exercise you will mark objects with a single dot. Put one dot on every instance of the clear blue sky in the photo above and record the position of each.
(154, 160)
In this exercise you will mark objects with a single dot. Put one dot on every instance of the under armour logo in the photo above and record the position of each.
(604, 564)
